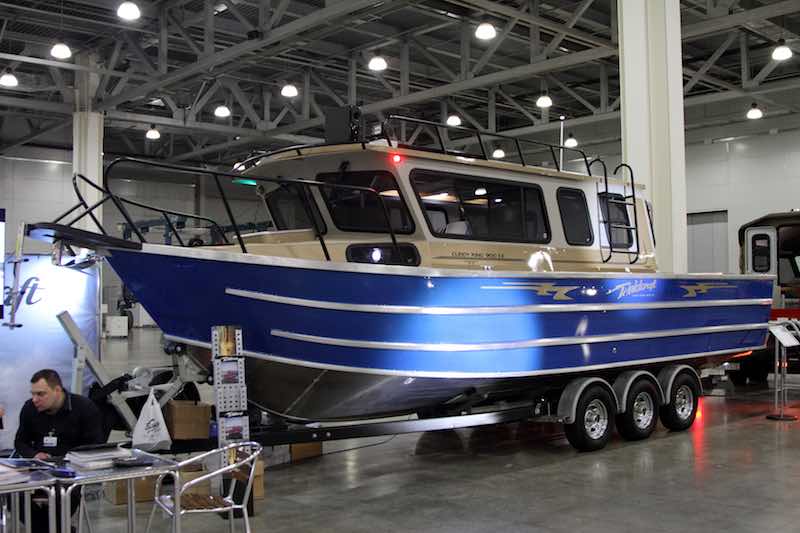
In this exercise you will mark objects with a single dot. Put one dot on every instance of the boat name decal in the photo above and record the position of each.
(477, 255)
(702, 288)
(558, 292)
(632, 288)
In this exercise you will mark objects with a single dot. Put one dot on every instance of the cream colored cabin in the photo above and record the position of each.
(457, 212)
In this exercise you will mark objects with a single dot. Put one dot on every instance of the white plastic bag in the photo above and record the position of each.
(151, 433)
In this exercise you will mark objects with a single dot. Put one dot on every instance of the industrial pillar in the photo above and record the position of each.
(651, 82)
(87, 136)
(87, 158)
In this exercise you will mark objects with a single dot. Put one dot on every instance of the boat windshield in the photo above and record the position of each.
(288, 211)
(362, 211)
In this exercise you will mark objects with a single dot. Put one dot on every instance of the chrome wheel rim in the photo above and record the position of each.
(684, 402)
(643, 410)
(595, 419)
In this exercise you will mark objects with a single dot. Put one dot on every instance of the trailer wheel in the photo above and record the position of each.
(641, 411)
(679, 413)
(594, 420)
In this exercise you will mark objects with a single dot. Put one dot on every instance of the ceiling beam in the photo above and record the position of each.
(321, 17)
(716, 24)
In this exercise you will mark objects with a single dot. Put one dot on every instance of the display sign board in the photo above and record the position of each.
(783, 336)
(41, 342)
(3, 255)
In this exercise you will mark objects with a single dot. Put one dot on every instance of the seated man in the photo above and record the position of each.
(51, 423)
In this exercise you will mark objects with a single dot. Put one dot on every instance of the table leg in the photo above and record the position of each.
(27, 513)
(66, 508)
(131, 506)
(14, 527)
(51, 508)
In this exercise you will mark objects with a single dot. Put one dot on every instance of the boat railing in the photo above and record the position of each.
(122, 203)
(483, 138)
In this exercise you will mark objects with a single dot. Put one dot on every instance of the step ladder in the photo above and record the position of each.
(607, 219)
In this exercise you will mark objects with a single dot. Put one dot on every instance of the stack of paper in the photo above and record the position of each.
(96, 459)
(10, 476)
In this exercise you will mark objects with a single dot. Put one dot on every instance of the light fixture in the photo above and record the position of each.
(480, 191)
(128, 11)
(453, 120)
(544, 101)
(754, 113)
(376, 255)
(238, 167)
(60, 50)
(498, 200)
(485, 31)
(498, 153)
(377, 63)
(781, 52)
(8, 80)
(289, 91)
(153, 134)
(570, 141)
(222, 111)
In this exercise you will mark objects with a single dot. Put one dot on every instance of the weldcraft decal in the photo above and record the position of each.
(637, 287)
(702, 288)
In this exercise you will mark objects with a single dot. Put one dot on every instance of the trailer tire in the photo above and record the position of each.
(594, 420)
(679, 413)
(641, 411)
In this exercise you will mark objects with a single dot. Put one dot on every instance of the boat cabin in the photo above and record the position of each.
(448, 208)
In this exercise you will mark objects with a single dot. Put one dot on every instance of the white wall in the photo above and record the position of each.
(747, 178)
(35, 186)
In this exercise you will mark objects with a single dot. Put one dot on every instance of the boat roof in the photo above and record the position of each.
(381, 146)
(773, 220)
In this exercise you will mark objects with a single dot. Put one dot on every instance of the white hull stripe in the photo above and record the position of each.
(512, 345)
(467, 375)
(486, 310)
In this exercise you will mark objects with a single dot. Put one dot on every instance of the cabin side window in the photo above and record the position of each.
(616, 214)
(286, 205)
(761, 253)
(465, 207)
(575, 216)
(358, 210)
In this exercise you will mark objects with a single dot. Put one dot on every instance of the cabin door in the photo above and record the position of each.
(761, 250)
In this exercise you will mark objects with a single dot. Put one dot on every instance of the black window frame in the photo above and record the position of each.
(323, 227)
(753, 249)
(321, 177)
(586, 212)
(629, 237)
(522, 186)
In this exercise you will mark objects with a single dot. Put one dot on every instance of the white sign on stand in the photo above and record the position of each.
(783, 336)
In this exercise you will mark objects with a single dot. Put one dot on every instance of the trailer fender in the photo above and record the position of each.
(624, 382)
(568, 401)
(666, 376)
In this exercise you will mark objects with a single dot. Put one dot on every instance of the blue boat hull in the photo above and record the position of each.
(337, 341)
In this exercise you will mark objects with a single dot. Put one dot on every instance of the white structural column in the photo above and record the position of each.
(652, 117)
(87, 136)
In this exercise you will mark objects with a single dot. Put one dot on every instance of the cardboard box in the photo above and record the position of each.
(305, 450)
(117, 491)
(258, 481)
(187, 420)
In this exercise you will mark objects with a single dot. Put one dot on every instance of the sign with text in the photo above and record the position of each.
(44, 291)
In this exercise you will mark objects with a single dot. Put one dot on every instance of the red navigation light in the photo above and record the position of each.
(396, 158)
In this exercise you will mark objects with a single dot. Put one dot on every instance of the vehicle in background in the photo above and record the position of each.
(771, 245)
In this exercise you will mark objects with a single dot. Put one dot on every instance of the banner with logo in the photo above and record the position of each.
(41, 342)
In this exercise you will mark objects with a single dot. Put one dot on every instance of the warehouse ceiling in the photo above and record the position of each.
(182, 59)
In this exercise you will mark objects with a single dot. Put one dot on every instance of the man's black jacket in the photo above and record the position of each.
(77, 423)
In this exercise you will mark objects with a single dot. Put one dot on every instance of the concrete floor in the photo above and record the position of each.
(733, 471)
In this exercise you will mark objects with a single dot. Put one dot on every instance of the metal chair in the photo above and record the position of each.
(238, 461)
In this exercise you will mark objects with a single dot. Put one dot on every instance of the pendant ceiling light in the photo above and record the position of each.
(128, 11)
(754, 113)
(153, 134)
(8, 80)
(453, 120)
(781, 52)
(570, 141)
(222, 111)
(377, 63)
(544, 101)
(485, 31)
(289, 91)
